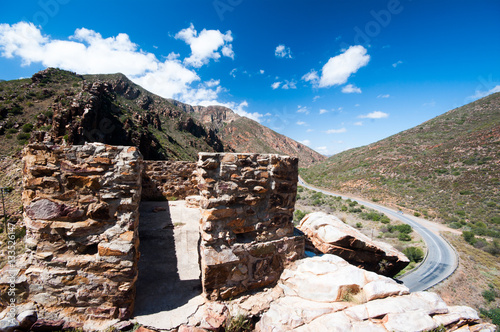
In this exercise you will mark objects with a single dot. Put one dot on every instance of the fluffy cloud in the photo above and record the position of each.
(339, 68)
(87, 52)
(374, 115)
(275, 85)
(322, 149)
(336, 131)
(350, 88)
(301, 123)
(322, 111)
(289, 85)
(205, 45)
(384, 96)
(359, 123)
(282, 51)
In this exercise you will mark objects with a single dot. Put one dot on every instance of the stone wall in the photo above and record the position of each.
(246, 228)
(167, 179)
(81, 214)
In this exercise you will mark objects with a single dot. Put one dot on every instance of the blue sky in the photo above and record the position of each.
(333, 74)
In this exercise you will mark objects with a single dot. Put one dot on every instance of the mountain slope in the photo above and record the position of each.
(242, 134)
(447, 167)
(113, 110)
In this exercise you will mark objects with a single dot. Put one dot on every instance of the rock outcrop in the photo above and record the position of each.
(325, 293)
(246, 228)
(327, 234)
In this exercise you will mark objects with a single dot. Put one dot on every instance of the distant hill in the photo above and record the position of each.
(114, 110)
(446, 168)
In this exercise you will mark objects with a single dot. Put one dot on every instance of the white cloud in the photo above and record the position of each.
(384, 96)
(233, 72)
(397, 63)
(323, 111)
(350, 88)
(481, 94)
(339, 68)
(336, 131)
(87, 52)
(311, 76)
(205, 45)
(316, 98)
(301, 123)
(322, 149)
(374, 115)
(289, 85)
(301, 109)
(262, 71)
(359, 123)
(357, 105)
(282, 51)
(309, 130)
(275, 85)
(305, 142)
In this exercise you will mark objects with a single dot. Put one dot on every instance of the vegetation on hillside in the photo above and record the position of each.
(446, 169)
(372, 223)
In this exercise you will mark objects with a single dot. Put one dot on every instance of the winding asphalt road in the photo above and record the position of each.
(441, 260)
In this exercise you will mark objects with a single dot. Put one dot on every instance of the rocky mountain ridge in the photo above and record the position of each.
(111, 109)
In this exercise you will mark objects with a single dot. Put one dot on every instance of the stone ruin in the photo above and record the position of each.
(81, 214)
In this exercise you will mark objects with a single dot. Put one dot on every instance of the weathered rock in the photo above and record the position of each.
(9, 325)
(330, 279)
(43, 325)
(326, 293)
(27, 319)
(329, 235)
(124, 325)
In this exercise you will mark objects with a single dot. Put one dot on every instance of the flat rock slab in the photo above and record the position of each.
(169, 286)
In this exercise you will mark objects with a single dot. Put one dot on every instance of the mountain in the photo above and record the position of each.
(243, 134)
(114, 110)
(446, 168)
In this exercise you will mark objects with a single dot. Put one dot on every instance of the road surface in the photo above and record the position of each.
(441, 260)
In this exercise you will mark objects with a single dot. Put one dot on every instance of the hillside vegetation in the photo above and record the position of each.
(447, 168)
(113, 110)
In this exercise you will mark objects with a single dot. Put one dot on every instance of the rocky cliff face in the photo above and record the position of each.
(111, 109)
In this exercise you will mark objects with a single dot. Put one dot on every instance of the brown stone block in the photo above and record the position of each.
(217, 214)
(102, 312)
(118, 248)
(229, 158)
(76, 182)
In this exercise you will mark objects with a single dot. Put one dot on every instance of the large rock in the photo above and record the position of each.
(327, 234)
(325, 293)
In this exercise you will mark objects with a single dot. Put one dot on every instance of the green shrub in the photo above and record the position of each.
(404, 237)
(385, 219)
(414, 254)
(23, 136)
(469, 237)
(404, 229)
(27, 128)
(359, 225)
(416, 214)
(489, 295)
(298, 215)
(493, 314)
(11, 131)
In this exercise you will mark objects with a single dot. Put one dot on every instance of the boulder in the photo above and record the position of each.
(327, 293)
(327, 234)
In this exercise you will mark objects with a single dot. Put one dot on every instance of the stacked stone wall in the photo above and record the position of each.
(165, 179)
(81, 214)
(246, 228)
